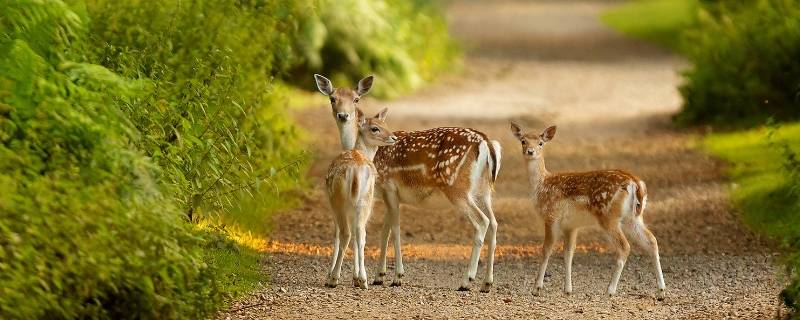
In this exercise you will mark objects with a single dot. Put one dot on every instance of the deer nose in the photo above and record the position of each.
(529, 152)
(343, 116)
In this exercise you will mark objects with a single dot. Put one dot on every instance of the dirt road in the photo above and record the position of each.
(541, 62)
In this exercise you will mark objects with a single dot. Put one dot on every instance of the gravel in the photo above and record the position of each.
(540, 62)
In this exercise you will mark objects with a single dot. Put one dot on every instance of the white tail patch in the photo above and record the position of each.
(632, 198)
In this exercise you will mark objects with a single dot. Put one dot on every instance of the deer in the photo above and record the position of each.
(448, 165)
(350, 186)
(613, 200)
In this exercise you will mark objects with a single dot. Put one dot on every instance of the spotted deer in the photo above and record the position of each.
(424, 168)
(350, 186)
(613, 200)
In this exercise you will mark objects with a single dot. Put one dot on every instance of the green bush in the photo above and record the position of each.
(210, 123)
(120, 118)
(745, 66)
(404, 43)
(85, 230)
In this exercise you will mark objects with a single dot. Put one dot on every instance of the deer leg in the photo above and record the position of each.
(569, 250)
(384, 243)
(333, 280)
(344, 242)
(485, 204)
(647, 241)
(481, 224)
(393, 214)
(550, 238)
(623, 249)
(359, 222)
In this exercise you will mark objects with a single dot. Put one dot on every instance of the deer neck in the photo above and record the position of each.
(537, 172)
(366, 149)
(348, 134)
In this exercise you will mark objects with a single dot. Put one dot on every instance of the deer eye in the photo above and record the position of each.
(375, 129)
(355, 100)
(541, 143)
(524, 142)
(333, 100)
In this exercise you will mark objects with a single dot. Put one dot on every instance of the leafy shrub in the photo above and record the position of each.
(119, 118)
(744, 64)
(85, 230)
(404, 43)
(211, 123)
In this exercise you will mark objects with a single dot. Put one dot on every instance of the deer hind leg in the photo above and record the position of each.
(623, 248)
(344, 242)
(569, 250)
(362, 211)
(485, 204)
(637, 230)
(481, 223)
(550, 238)
(333, 279)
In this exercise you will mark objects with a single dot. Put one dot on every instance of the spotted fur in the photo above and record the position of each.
(612, 200)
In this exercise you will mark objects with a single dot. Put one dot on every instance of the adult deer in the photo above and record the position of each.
(613, 200)
(457, 164)
(350, 185)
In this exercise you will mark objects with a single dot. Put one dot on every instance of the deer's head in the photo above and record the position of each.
(343, 100)
(374, 130)
(532, 143)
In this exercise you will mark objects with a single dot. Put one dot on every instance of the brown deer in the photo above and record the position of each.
(350, 185)
(613, 200)
(458, 165)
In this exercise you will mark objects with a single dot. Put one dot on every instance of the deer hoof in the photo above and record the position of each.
(486, 287)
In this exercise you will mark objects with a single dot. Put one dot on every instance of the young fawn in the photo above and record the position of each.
(350, 185)
(428, 168)
(610, 199)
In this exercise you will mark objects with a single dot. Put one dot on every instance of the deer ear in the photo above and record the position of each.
(324, 85)
(360, 118)
(364, 85)
(382, 115)
(549, 133)
(516, 129)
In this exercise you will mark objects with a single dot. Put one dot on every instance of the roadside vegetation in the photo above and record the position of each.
(745, 83)
(143, 145)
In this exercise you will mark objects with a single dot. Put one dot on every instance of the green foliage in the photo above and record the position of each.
(85, 230)
(765, 169)
(211, 123)
(404, 43)
(660, 21)
(745, 68)
(117, 119)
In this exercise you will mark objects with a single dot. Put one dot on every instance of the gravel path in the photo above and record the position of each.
(541, 62)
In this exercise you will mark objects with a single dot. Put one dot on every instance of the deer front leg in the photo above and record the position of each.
(384, 243)
(481, 223)
(550, 237)
(569, 250)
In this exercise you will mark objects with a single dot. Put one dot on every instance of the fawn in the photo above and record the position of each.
(610, 199)
(350, 184)
(455, 166)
